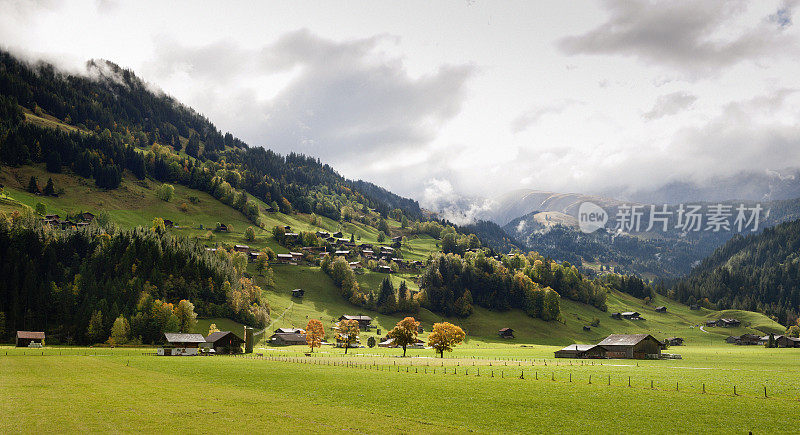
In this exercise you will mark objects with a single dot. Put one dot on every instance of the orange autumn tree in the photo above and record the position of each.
(405, 333)
(445, 336)
(347, 333)
(314, 333)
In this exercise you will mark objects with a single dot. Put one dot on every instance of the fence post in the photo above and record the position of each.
(629, 381)
(734, 391)
(590, 379)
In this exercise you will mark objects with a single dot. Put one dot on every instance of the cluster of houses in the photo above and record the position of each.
(724, 323)
(755, 340)
(55, 221)
(337, 246)
(630, 346)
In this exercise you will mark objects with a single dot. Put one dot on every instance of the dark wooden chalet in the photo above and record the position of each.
(506, 333)
(364, 322)
(225, 342)
(298, 293)
(638, 346)
(581, 351)
(288, 338)
(661, 309)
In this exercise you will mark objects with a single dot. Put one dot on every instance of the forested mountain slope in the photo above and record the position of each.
(759, 272)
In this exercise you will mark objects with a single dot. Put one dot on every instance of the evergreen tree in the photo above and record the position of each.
(33, 185)
(49, 189)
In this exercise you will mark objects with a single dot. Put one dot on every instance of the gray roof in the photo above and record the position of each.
(184, 338)
(579, 347)
(630, 313)
(362, 318)
(623, 339)
(215, 336)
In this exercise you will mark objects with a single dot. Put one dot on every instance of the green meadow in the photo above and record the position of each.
(508, 389)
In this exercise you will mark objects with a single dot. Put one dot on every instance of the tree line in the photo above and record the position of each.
(63, 282)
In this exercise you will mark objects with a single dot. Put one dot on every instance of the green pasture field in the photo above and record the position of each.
(375, 391)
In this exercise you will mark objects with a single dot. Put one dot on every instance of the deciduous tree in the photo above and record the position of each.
(445, 336)
(314, 333)
(347, 333)
(405, 333)
(187, 318)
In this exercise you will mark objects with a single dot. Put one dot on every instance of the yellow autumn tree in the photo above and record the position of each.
(445, 336)
(314, 333)
(347, 333)
(405, 333)
(212, 328)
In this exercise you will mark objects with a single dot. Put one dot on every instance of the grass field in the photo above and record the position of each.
(373, 391)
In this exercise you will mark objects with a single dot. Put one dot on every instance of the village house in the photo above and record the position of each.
(30, 339)
(288, 338)
(284, 258)
(631, 346)
(224, 342)
(364, 322)
(290, 331)
(724, 323)
(323, 234)
(51, 217)
(86, 216)
(354, 264)
(397, 239)
(253, 256)
(223, 227)
(291, 237)
(506, 333)
(744, 340)
(389, 342)
(241, 248)
(337, 235)
(661, 309)
(384, 269)
(674, 341)
(287, 228)
(181, 344)
(786, 341)
(298, 293)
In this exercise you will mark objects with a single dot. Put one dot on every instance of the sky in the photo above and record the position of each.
(450, 99)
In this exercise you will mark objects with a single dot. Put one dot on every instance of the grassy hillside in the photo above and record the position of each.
(135, 203)
(322, 301)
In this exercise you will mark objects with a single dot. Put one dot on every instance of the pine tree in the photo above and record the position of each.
(33, 185)
(49, 189)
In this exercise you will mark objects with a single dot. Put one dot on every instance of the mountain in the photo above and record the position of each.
(652, 254)
(512, 205)
(756, 272)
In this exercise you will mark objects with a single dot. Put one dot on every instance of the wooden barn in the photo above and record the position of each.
(581, 351)
(661, 309)
(638, 346)
(225, 342)
(26, 338)
(785, 341)
(288, 338)
(298, 293)
(364, 322)
(506, 333)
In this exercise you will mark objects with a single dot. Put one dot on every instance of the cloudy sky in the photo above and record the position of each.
(476, 98)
